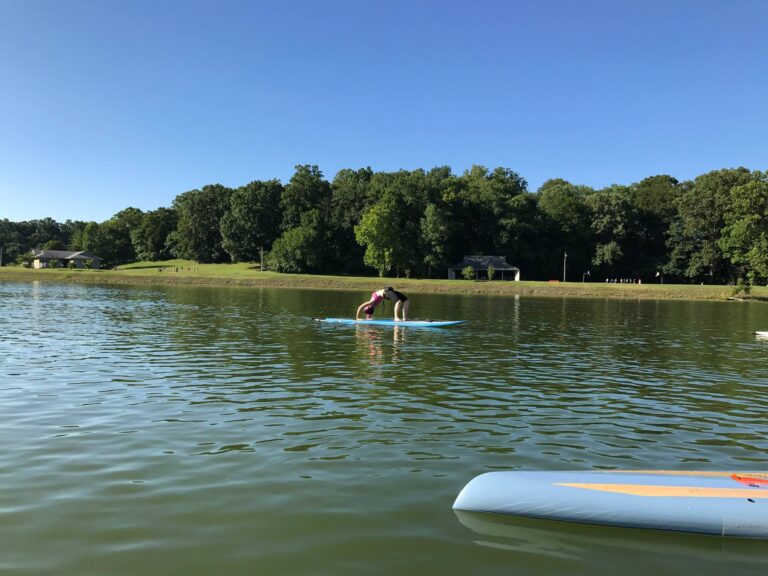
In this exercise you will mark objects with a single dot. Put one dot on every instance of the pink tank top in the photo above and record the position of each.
(376, 298)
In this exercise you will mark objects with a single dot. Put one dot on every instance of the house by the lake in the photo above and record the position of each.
(64, 259)
(480, 265)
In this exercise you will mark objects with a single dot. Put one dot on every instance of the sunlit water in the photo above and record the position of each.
(224, 431)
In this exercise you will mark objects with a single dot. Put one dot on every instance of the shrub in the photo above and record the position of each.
(741, 286)
(468, 273)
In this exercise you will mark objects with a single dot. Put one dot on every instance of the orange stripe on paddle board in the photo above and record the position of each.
(689, 473)
(671, 491)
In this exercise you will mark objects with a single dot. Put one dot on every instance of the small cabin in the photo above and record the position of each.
(480, 264)
(64, 259)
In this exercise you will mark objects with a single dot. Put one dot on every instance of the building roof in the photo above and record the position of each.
(482, 263)
(63, 255)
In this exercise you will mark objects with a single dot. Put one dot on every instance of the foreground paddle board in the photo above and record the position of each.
(761, 334)
(722, 503)
(414, 323)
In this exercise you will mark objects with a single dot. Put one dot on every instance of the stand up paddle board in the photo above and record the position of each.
(721, 503)
(761, 334)
(413, 323)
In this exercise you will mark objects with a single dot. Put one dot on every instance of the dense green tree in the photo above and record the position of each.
(654, 201)
(99, 239)
(198, 233)
(306, 243)
(378, 231)
(351, 197)
(435, 234)
(150, 238)
(45, 230)
(695, 233)
(252, 222)
(307, 190)
(522, 236)
(402, 198)
(119, 228)
(612, 220)
(567, 221)
(302, 248)
(73, 231)
(712, 228)
(11, 241)
(54, 245)
(744, 239)
(482, 201)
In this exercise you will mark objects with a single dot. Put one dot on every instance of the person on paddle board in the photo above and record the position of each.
(378, 296)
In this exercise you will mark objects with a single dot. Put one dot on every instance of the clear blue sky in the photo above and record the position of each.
(107, 104)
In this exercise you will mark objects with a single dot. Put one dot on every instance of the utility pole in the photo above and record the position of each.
(565, 257)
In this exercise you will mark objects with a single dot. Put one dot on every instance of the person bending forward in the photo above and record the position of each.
(378, 296)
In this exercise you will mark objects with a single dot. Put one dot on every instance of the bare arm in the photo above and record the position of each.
(360, 308)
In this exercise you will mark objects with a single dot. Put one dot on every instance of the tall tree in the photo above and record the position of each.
(198, 234)
(301, 248)
(379, 232)
(613, 223)
(150, 238)
(100, 240)
(120, 227)
(744, 239)
(484, 201)
(45, 230)
(73, 231)
(351, 197)
(695, 233)
(307, 190)
(252, 222)
(401, 200)
(654, 200)
(306, 243)
(435, 234)
(523, 237)
(11, 241)
(564, 206)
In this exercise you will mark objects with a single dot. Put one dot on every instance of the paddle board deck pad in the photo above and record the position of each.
(721, 503)
(414, 323)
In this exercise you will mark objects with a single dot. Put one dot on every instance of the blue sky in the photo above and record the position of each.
(111, 104)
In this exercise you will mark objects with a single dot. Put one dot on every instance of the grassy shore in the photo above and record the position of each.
(183, 272)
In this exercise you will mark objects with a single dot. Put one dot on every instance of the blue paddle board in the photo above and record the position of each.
(721, 503)
(413, 323)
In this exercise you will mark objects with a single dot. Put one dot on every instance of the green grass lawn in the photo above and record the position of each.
(249, 274)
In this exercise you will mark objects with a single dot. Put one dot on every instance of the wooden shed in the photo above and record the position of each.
(480, 264)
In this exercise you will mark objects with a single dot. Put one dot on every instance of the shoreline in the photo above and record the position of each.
(183, 273)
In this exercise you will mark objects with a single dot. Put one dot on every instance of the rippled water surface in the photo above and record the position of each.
(224, 431)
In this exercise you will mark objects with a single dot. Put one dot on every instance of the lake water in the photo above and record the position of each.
(224, 431)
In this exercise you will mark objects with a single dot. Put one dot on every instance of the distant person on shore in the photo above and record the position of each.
(378, 296)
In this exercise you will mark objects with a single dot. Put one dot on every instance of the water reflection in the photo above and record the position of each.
(625, 550)
(381, 345)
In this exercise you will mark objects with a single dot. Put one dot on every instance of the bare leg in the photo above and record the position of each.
(404, 315)
(398, 305)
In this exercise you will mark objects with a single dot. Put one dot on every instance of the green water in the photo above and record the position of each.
(224, 431)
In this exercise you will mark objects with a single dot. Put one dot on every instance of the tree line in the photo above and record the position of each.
(415, 223)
